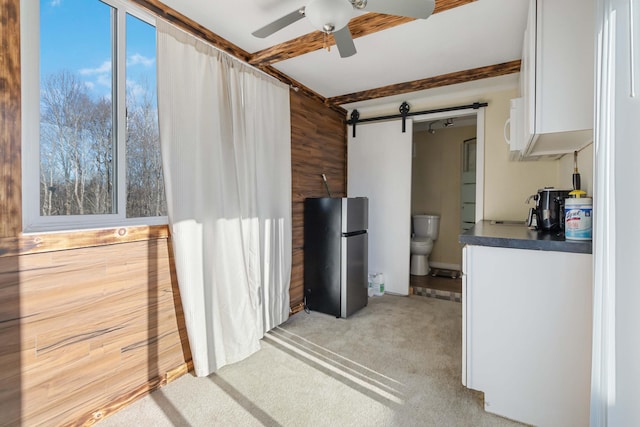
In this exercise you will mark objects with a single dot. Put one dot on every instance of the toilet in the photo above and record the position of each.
(425, 231)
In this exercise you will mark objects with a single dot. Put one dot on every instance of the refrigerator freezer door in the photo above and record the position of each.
(322, 254)
(355, 214)
(354, 272)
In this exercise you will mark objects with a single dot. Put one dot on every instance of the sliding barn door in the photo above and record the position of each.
(379, 167)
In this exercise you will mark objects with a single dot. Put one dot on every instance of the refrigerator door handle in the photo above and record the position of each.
(354, 233)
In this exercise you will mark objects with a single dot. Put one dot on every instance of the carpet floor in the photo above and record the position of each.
(396, 362)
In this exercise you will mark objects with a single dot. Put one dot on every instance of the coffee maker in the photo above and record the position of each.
(548, 214)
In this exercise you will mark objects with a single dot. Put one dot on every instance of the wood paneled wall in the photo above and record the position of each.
(98, 327)
(318, 146)
(10, 167)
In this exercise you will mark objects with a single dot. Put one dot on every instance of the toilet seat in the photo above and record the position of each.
(421, 240)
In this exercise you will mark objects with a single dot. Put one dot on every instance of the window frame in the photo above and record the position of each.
(32, 220)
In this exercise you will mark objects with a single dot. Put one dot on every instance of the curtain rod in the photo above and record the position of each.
(404, 113)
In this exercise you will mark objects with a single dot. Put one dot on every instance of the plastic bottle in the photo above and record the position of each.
(370, 285)
(378, 284)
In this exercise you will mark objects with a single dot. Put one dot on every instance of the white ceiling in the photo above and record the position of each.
(478, 34)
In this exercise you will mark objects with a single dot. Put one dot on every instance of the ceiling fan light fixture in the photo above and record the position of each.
(329, 15)
(359, 4)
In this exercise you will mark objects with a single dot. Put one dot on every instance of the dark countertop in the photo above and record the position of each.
(519, 236)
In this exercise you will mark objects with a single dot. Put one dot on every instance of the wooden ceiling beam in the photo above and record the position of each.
(359, 26)
(429, 83)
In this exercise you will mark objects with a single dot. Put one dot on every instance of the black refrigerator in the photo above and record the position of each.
(336, 254)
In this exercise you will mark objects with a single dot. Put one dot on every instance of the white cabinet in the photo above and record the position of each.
(557, 77)
(527, 333)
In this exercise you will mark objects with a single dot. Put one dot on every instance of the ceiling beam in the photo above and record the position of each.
(359, 26)
(429, 83)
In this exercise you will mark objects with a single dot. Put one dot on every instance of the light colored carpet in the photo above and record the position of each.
(397, 362)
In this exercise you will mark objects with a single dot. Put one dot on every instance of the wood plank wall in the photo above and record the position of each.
(318, 145)
(11, 405)
(87, 328)
(98, 326)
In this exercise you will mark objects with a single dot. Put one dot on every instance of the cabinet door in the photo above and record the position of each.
(565, 55)
(528, 76)
(557, 77)
(527, 333)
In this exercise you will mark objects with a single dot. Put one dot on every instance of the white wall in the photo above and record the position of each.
(585, 168)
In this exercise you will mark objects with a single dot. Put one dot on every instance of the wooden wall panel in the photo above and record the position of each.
(318, 146)
(95, 324)
(10, 212)
(10, 349)
(10, 167)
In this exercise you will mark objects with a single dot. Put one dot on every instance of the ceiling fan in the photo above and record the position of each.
(332, 17)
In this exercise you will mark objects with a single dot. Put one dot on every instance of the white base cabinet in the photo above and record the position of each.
(527, 333)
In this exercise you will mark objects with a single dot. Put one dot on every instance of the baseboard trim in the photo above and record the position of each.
(296, 308)
(135, 394)
(445, 266)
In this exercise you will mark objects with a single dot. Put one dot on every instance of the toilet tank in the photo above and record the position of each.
(426, 226)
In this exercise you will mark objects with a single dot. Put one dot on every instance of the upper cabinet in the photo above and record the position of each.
(557, 78)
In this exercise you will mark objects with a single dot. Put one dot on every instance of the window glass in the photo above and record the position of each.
(145, 185)
(76, 109)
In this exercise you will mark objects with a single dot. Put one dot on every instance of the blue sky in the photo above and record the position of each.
(75, 35)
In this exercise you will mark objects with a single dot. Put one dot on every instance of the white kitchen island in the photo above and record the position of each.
(527, 324)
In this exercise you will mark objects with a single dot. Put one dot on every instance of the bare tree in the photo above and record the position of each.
(77, 152)
(100, 129)
(65, 143)
(145, 184)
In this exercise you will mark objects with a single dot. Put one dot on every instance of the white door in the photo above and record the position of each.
(468, 185)
(379, 167)
(616, 349)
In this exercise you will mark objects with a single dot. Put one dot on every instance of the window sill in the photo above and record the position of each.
(58, 241)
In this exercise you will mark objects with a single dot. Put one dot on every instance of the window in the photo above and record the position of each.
(89, 81)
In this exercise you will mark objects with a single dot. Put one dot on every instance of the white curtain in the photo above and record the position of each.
(226, 149)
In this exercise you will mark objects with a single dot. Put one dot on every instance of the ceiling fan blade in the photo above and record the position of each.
(279, 24)
(421, 9)
(344, 42)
